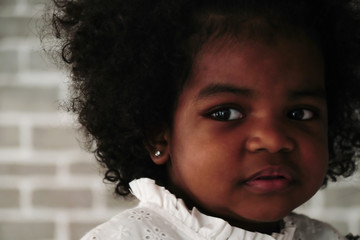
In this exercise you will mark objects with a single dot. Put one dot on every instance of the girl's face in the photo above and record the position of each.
(249, 137)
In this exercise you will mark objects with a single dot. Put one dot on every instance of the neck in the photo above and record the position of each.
(261, 227)
(252, 226)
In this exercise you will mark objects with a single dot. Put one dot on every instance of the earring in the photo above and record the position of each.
(157, 153)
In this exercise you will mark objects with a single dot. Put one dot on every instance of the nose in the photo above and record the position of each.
(269, 136)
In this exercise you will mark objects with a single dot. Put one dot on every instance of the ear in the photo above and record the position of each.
(158, 147)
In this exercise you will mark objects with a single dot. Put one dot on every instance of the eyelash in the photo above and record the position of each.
(231, 114)
(313, 114)
(225, 114)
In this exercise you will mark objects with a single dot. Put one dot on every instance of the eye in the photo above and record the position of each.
(302, 114)
(226, 114)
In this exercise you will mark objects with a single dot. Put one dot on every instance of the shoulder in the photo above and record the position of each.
(308, 228)
(132, 224)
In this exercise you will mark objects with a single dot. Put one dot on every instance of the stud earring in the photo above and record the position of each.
(157, 153)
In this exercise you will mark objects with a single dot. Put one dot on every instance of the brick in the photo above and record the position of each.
(37, 2)
(9, 61)
(118, 202)
(16, 27)
(342, 227)
(77, 230)
(45, 198)
(8, 78)
(9, 198)
(27, 169)
(347, 196)
(26, 230)
(86, 168)
(30, 99)
(40, 62)
(112, 201)
(4, 3)
(54, 138)
(7, 6)
(9, 137)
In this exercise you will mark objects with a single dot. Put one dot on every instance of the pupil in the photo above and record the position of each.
(223, 114)
(298, 114)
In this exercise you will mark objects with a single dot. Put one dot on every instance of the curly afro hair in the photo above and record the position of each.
(129, 60)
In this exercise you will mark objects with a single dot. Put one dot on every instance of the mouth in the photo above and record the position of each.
(273, 179)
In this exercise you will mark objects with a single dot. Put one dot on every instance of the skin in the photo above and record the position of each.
(249, 136)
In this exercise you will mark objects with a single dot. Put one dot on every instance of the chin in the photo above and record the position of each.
(270, 215)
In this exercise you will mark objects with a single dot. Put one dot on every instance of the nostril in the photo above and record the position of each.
(272, 145)
(260, 150)
(286, 150)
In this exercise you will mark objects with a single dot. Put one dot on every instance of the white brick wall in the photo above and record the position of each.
(49, 187)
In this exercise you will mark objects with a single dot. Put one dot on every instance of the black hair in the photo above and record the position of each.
(129, 60)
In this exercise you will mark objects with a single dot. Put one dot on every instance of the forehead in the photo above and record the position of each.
(294, 62)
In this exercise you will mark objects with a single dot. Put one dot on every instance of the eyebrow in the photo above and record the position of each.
(214, 89)
(318, 93)
(217, 88)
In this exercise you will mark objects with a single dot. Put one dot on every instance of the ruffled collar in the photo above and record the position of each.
(206, 226)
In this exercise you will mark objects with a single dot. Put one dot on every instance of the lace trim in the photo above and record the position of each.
(209, 227)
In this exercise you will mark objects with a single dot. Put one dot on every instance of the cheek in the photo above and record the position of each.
(315, 157)
(203, 152)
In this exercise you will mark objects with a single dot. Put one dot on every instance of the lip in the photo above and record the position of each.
(271, 179)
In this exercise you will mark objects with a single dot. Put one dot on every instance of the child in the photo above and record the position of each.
(221, 117)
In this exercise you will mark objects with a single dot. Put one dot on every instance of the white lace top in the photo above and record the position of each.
(161, 216)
